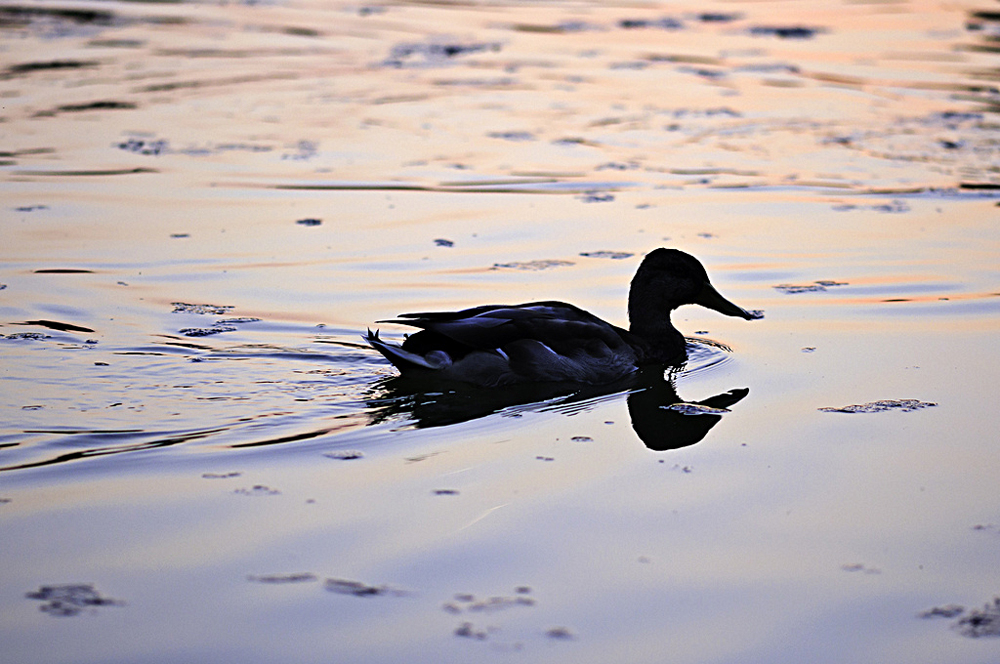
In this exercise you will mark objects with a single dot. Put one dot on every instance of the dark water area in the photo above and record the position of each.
(205, 206)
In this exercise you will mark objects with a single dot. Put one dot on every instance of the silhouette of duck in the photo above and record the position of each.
(496, 345)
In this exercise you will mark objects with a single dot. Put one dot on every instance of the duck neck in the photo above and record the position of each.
(653, 326)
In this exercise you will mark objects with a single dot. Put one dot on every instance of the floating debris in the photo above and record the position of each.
(719, 17)
(33, 336)
(531, 265)
(892, 207)
(344, 455)
(814, 287)
(561, 633)
(904, 405)
(468, 631)
(301, 150)
(435, 53)
(468, 602)
(299, 577)
(442, 242)
(792, 32)
(695, 409)
(206, 331)
(613, 255)
(512, 135)
(596, 198)
(618, 166)
(201, 309)
(237, 321)
(946, 611)
(359, 589)
(70, 599)
(150, 148)
(356, 588)
(981, 622)
(792, 289)
(559, 28)
(494, 604)
(154, 147)
(952, 119)
(895, 207)
(258, 490)
(665, 23)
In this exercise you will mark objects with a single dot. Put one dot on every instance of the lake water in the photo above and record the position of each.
(205, 204)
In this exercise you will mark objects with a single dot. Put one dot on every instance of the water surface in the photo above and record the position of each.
(205, 206)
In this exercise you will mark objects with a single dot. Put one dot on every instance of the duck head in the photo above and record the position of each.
(665, 280)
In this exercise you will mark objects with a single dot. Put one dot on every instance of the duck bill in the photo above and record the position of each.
(712, 299)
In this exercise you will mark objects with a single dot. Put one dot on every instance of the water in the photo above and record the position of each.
(196, 440)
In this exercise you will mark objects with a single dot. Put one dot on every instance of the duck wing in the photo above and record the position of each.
(562, 327)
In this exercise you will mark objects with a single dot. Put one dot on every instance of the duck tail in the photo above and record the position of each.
(401, 359)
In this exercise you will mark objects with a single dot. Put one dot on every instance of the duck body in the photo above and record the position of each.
(504, 344)
(496, 345)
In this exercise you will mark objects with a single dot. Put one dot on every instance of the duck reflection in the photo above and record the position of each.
(664, 422)
(661, 419)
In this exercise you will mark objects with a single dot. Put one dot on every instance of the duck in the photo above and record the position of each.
(496, 345)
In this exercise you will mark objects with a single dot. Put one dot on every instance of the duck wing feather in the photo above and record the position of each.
(563, 327)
